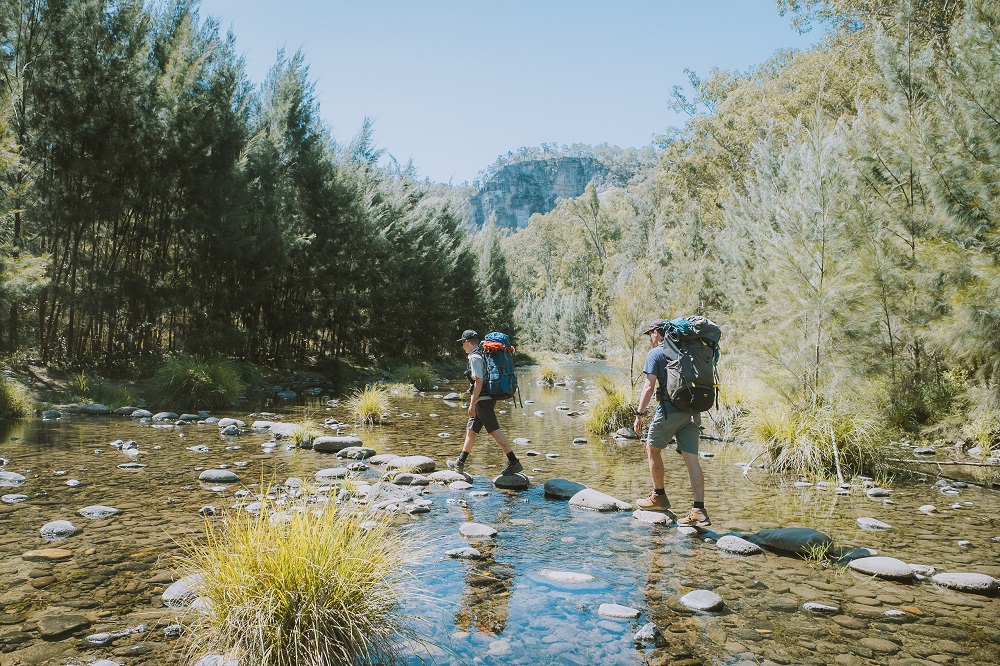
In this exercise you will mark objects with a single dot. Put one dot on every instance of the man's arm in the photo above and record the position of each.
(477, 388)
(648, 389)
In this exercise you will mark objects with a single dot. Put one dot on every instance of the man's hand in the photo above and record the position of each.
(637, 425)
(472, 410)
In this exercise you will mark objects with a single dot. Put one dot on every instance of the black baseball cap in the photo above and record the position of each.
(653, 325)
(468, 334)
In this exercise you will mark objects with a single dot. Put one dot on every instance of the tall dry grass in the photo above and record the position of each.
(298, 585)
(370, 405)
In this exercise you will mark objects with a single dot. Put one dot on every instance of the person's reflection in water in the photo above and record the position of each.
(485, 602)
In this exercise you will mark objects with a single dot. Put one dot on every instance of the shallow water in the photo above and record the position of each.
(502, 609)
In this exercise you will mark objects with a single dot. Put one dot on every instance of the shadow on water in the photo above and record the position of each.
(502, 608)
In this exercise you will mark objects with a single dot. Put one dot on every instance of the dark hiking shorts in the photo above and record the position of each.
(485, 416)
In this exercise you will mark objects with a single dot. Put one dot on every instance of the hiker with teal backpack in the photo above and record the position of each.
(491, 378)
(683, 362)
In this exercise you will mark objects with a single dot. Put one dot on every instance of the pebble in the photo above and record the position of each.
(476, 530)
(882, 567)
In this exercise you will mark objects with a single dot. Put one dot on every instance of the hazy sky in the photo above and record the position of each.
(453, 84)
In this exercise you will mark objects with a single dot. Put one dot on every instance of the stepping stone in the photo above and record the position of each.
(598, 501)
(333, 444)
(512, 482)
(562, 489)
(738, 546)
(566, 576)
(968, 582)
(883, 567)
(476, 531)
(655, 517)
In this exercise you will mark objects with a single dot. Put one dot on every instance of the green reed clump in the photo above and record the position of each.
(419, 375)
(14, 399)
(191, 381)
(612, 407)
(369, 405)
(305, 431)
(298, 585)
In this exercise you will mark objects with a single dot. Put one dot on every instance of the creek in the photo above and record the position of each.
(504, 608)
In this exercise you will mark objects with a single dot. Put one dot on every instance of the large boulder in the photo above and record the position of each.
(793, 540)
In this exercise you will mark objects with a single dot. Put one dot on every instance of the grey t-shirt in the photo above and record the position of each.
(477, 365)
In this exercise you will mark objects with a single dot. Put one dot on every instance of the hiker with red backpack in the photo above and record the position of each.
(683, 361)
(491, 377)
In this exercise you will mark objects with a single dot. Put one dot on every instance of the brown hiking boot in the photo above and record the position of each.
(654, 502)
(695, 518)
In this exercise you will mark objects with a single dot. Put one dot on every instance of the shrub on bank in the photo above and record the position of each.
(421, 376)
(298, 584)
(14, 399)
(184, 381)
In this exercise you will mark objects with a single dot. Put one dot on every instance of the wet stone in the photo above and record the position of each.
(702, 600)
(47, 555)
(562, 489)
(618, 612)
(58, 529)
(57, 625)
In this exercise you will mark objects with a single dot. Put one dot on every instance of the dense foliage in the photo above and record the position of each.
(837, 210)
(156, 200)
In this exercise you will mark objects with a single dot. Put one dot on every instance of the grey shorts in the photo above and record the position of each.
(667, 425)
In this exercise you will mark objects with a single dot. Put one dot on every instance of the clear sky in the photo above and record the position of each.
(453, 84)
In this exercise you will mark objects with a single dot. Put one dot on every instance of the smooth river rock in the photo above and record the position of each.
(738, 546)
(883, 567)
(794, 540)
(562, 489)
(97, 511)
(968, 582)
(219, 476)
(476, 531)
(333, 444)
(598, 501)
(183, 592)
(58, 529)
(618, 612)
(873, 525)
(702, 600)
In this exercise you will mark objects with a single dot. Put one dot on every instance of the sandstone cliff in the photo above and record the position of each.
(516, 191)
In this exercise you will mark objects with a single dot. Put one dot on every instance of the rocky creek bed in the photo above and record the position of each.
(93, 507)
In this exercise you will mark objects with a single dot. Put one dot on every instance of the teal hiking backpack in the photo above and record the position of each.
(691, 383)
(500, 382)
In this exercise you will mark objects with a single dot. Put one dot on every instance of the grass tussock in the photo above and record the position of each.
(370, 405)
(300, 584)
(813, 442)
(612, 407)
(420, 376)
(193, 382)
(548, 374)
(14, 399)
(305, 431)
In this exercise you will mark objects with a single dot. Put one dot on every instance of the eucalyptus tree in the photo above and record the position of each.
(495, 283)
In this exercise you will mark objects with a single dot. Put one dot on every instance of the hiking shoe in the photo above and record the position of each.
(654, 502)
(458, 465)
(512, 468)
(695, 518)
